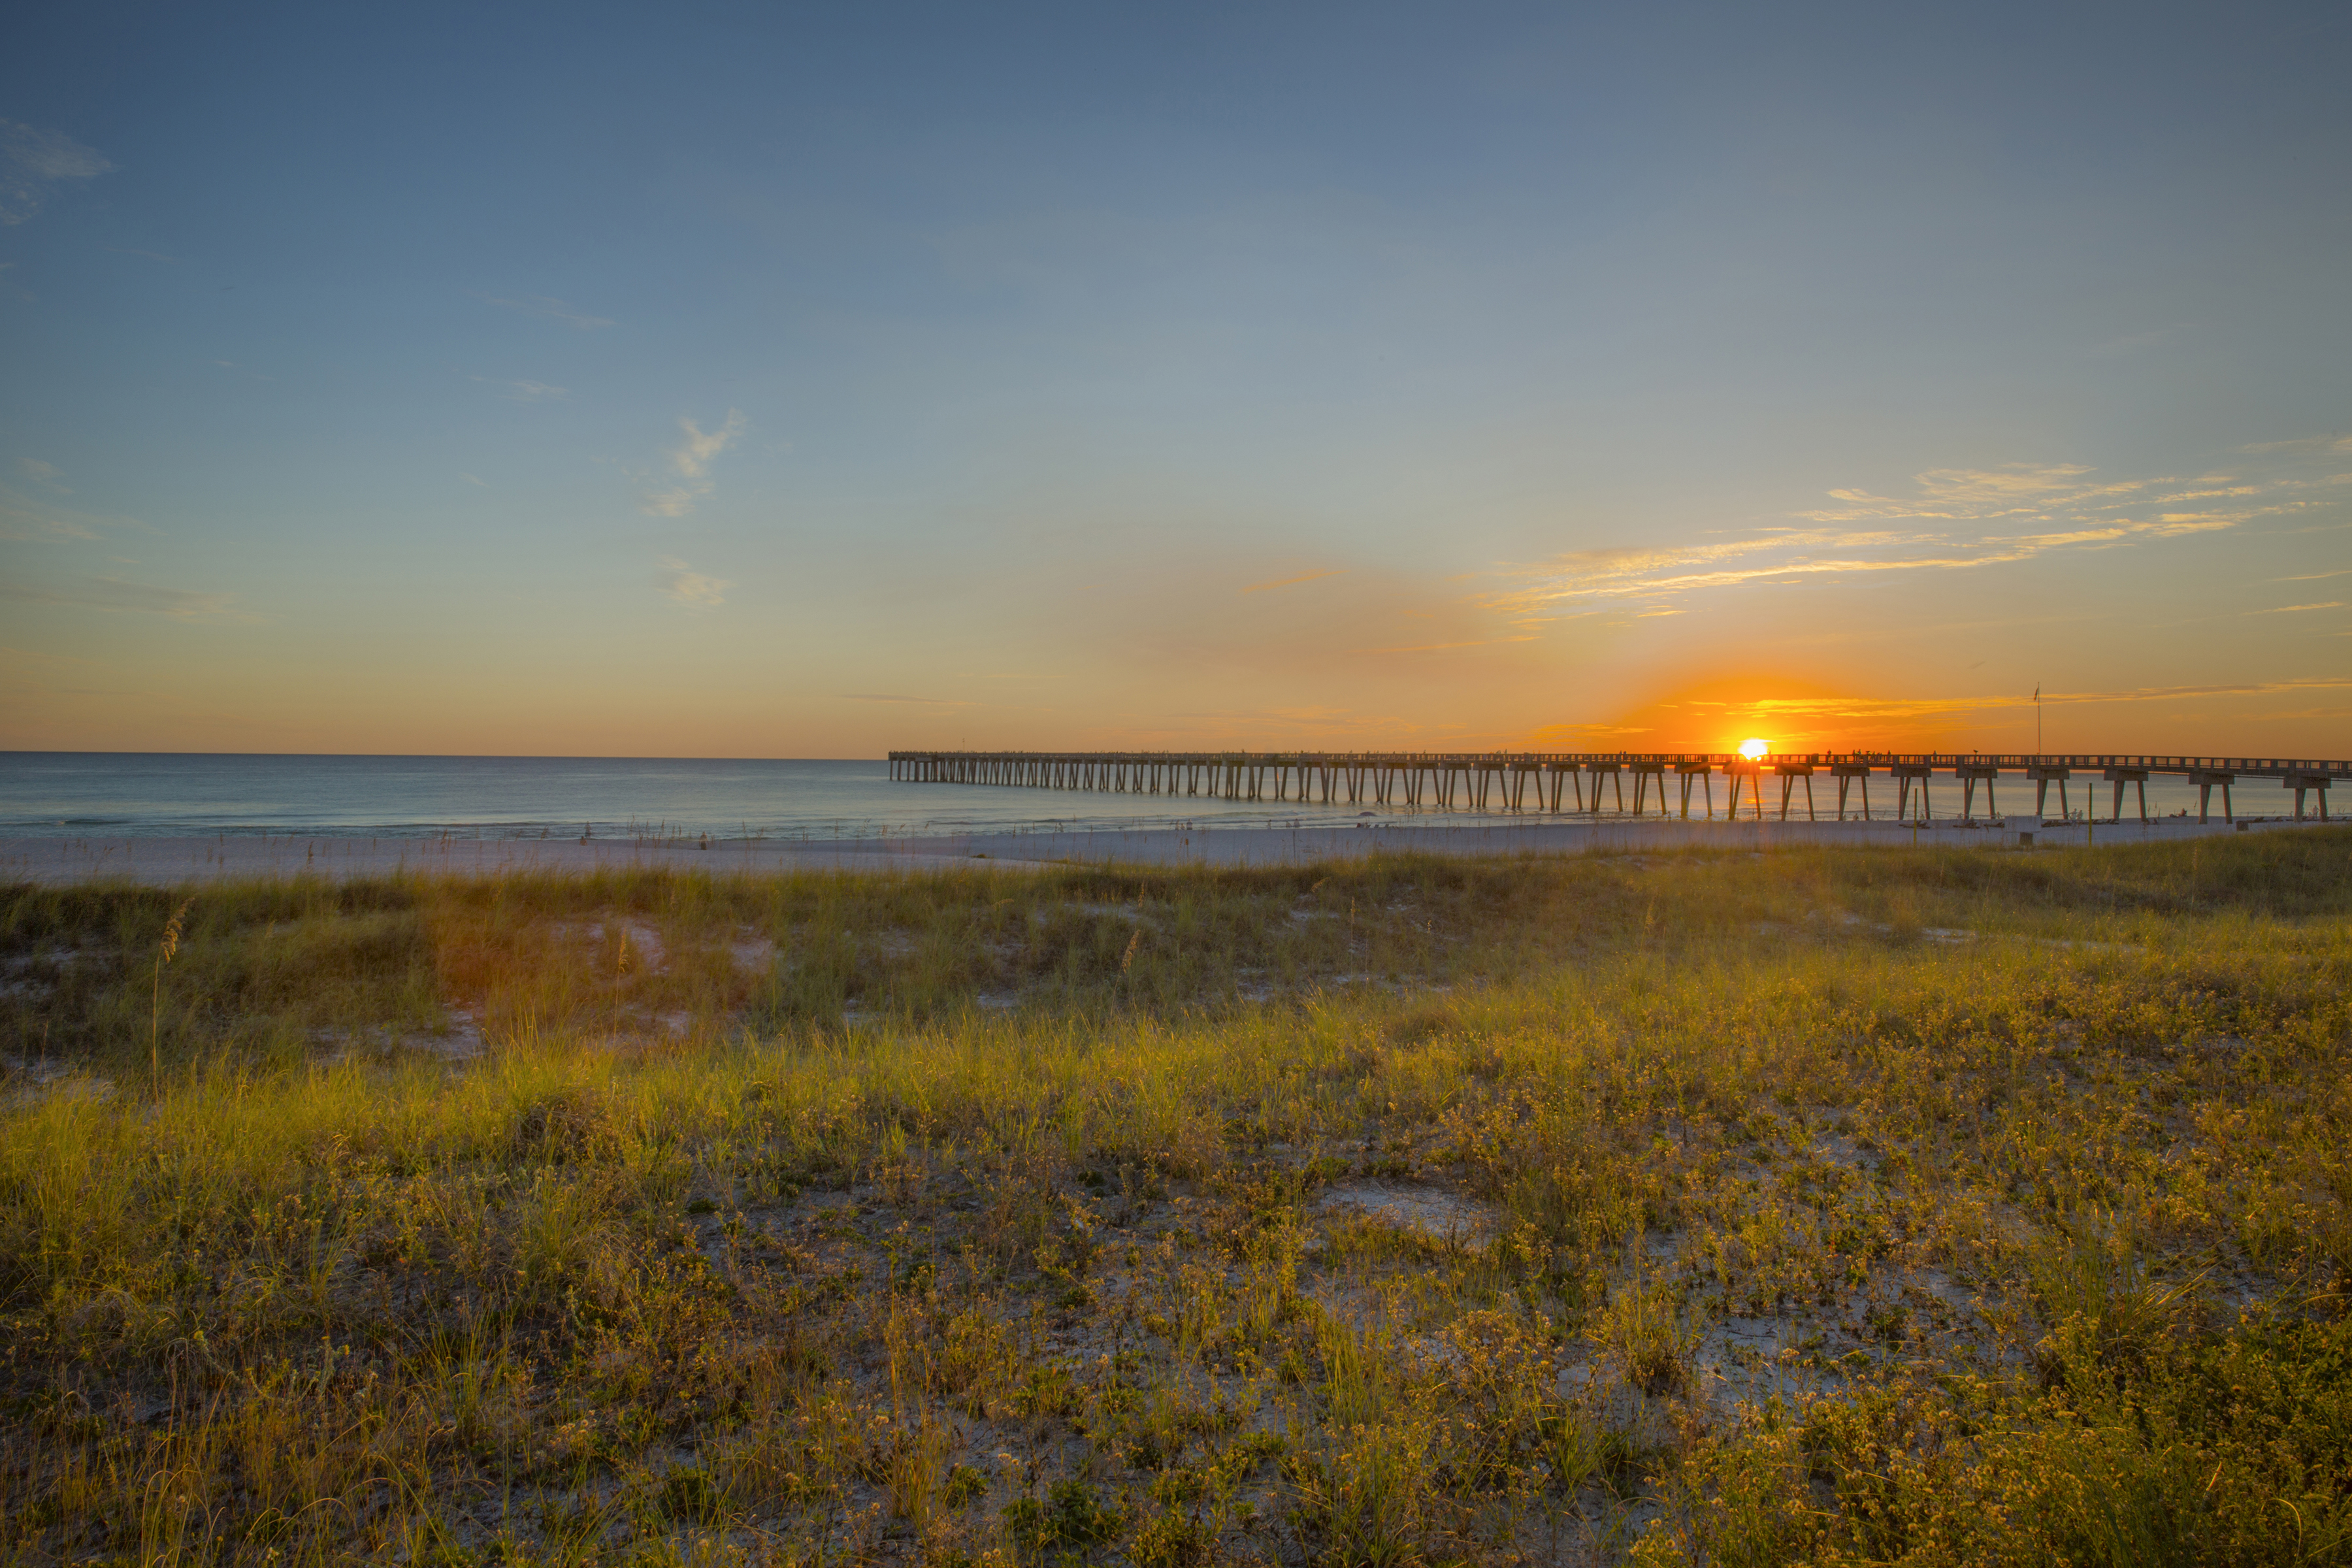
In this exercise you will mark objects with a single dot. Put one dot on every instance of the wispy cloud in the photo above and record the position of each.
(29, 520)
(690, 461)
(32, 162)
(682, 585)
(546, 309)
(1956, 520)
(1442, 646)
(46, 475)
(2292, 609)
(692, 456)
(2310, 444)
(118, 593)
(150, 254)
(1293, 582)
(1923, 707)
(524, 391)
(892, 697)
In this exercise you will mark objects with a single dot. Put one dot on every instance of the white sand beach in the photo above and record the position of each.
(165, 862)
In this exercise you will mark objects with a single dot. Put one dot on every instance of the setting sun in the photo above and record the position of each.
(1754, 749)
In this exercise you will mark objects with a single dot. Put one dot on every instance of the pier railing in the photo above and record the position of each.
(1554, 782)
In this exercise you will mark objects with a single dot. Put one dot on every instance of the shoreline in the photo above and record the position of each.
(71, 860)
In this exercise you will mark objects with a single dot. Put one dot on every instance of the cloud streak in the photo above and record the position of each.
(1865, 707)
(1957, 520)
(1442, 646)
(690, 461)
(2306, 444)
(682, 585)
(28, 519)
(525, 391)
(546, 309)
(119, 593)
(32, 162)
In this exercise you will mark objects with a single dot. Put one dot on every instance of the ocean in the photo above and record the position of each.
(169, 795)
(164, 795)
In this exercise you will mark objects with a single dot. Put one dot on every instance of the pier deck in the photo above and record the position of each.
(1554, 782)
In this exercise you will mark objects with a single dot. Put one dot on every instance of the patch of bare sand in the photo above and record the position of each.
(1433, 1212)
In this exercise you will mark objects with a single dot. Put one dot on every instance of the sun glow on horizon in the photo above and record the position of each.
(1753, 749)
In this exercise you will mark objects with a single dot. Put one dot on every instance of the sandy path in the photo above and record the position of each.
(162, 862)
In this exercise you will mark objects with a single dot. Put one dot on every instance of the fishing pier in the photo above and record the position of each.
(1557, 782)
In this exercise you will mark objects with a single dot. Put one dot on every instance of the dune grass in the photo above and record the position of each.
(1844, 1206)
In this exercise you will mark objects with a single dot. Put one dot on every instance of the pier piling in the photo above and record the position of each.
(1553, 783)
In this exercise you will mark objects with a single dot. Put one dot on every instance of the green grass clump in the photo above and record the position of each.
(1824, 1206)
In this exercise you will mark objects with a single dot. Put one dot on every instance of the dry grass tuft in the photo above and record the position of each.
(1841, 1208)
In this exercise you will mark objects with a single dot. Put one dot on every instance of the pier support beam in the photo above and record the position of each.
(2299, 782)
(1616, 777)
(1905, 775)
(1557, 780)
(1969, 776)
(1789, 773)
(1848, 773)
(1701, 771)
(1743, 775)
(2122, 776)
(2205, 782)
(1644, 773)
(2043, 778)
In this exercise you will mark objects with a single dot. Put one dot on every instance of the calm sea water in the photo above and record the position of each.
(162, 794)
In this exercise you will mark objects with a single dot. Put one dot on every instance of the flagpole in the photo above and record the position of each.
(2037, 719)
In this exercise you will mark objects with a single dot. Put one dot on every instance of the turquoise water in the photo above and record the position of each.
(169, 795)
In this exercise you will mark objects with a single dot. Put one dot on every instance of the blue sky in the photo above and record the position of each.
(746, 381)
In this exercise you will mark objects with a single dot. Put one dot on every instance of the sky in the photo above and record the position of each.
(717, 380)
